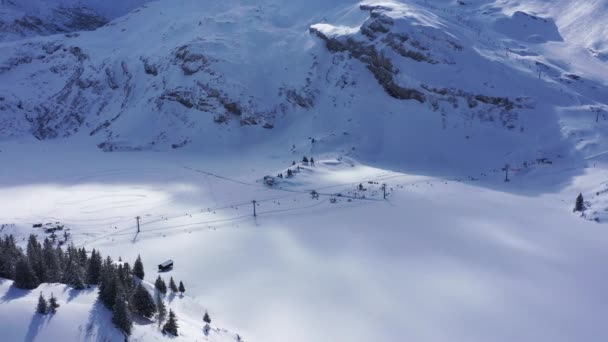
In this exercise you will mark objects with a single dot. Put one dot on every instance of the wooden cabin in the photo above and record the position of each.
(165, 266)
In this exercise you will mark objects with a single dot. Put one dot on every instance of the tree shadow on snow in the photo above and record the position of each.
(36, 324)
(99, 326)
(73, 293)
(14, 293)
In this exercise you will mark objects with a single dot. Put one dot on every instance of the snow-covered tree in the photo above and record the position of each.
(171, 326)
(121, 316)
(142, 302)
(74, 274)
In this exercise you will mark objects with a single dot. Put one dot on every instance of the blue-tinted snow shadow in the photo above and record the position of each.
(73, 293)
(529, 28)
(36, 324)
(99, 326)
(14, 293)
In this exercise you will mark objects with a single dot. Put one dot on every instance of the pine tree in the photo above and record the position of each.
(74, 274)
(125, 277)
(161, 309)
(94, 269)
(53, 305)
(24, 275)
(171, 326)
(138, 268)
(580, 203)
(42, 306)
(83, 259)
(34, 257)
(182, 289)
(172, 285)
(108, 284)
(52, 265)
(304, 160)
(121, 316)
(142, 302)
(9, 257)
(160, 285)
(206, 318)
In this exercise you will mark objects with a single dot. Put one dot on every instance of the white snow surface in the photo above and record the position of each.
(442, 259)
(81, 317)
(196, 101)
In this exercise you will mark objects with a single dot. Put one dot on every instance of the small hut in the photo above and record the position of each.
(165, 266)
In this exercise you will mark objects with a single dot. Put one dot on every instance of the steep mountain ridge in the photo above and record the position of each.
(27, 18)
(374, 79)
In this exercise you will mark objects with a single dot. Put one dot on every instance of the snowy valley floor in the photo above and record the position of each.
(440, 260)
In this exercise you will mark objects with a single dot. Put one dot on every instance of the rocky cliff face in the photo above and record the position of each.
(30, 18)
(166, 76)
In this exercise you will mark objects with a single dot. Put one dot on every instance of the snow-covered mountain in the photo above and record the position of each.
(27, 18)
(516, 76)
(432, 98)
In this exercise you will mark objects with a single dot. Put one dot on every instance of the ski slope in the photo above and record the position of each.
(81, 317)
(175, 111)
(460, 258)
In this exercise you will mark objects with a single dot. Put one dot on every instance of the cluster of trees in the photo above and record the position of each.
(121, 288)
(161, 286)
(45, 306)
(45, 263)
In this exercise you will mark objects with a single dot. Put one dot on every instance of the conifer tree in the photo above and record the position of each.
(580, 203)
(42, 306)
(171, 326)
(52, 265)
(142, 302)
(161, 309)
(121, 316)
(94, 269)
(108, 285)
(9, 257)
(74, 274)
(34, 257)
(83, 258)
(24, 275)
(53, 305)
(182, 289)
(160, 285)
(172, 285)
(138, 268)
(206, 318)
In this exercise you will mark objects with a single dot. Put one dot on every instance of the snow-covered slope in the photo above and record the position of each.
(431, 97)
(443, 259)
(27, 18)
(81, 317)
(372, 79)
